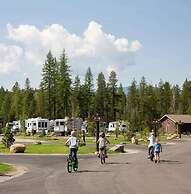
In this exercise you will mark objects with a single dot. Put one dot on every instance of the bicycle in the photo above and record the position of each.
(72, 164)
(102, 155)
(151, 155)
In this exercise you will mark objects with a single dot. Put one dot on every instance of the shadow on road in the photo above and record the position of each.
(117, 163)
(92, 171)
(171, 162)
(5, 175)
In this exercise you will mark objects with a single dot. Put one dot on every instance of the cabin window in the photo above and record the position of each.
(61, 123)
(45, 124)
(39, 124)
(28, 124)
(42, 124)
(34, 124)
(57, 123)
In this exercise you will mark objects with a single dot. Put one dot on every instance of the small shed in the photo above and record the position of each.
(172, 123)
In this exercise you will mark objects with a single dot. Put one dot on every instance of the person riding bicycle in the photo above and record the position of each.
(151, 140)
(73, 145)
(103, 143)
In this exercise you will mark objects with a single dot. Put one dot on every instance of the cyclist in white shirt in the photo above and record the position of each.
(73, 145)
(151, 140)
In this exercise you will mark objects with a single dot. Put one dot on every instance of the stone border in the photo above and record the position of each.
(20, 170)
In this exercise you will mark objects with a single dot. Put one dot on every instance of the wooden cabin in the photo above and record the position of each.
(172, 123)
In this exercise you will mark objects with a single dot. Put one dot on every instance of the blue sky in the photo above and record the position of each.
(162, 27)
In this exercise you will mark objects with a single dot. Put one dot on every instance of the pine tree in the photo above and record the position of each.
(48, 84)
(175, 99)
(40, 103)
(76, 97)
(100, 97)
(112, 87)
(185, 98)
(16, 103)
(152, 106)
(142, 103)
(28, 101)
(132, 106)
(64, 87)
(165, 97)
(6, 107)
(89, 93)
(2, 99)
(121, 104)
(8, 138)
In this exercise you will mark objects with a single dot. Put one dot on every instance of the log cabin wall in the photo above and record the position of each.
(168, 126)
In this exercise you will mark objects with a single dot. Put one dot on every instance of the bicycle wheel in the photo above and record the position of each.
(69, 165)
(102, 157)
(76, 165)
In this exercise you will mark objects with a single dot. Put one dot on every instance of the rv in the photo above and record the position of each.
(16, 126)
(112, 126)
(59, 126)
(37, 125)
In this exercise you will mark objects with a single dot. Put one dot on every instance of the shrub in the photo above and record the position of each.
(91, 128)
(146, 132)
(8, 137)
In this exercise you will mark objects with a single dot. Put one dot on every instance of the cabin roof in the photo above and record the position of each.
(177, 118)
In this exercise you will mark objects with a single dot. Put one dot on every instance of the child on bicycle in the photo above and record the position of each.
(103, 143)
(157, 150)
(73, 145)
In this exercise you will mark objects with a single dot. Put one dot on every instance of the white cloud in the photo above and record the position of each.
(10, 58)
(95, 48)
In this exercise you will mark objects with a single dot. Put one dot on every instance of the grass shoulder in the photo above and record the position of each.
(6, 168)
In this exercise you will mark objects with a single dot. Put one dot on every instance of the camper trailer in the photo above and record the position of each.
(59, 126)
(16, 126)
(37, 125)
(112, 126)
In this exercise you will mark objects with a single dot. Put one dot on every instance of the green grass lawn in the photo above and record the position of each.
(57, 149)
(3, 149)
(51, 149)
(5, 168)
(45, 138)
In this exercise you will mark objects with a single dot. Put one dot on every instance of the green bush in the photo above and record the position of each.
(146, 132)
(8, 137)
(91, 128)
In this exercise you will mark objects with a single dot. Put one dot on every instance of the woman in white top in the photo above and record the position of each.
(73, 145)
(151, 140)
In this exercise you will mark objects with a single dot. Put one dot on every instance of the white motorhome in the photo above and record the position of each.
(59, 125)
(37, 125)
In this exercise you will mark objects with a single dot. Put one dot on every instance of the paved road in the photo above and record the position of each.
(123, 174)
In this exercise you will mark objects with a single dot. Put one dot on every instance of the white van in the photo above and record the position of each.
(37, 125)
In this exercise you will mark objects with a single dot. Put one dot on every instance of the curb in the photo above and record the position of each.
(20, 170)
